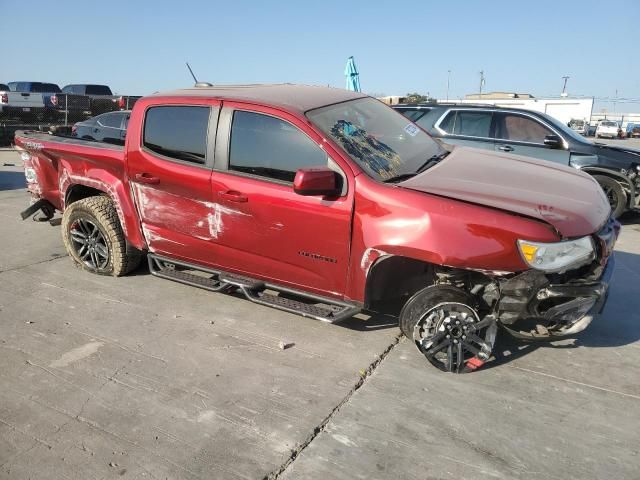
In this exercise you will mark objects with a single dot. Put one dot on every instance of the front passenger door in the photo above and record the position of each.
(524, 135)
(264, 227)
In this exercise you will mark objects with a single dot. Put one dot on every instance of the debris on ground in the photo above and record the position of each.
(284, 345)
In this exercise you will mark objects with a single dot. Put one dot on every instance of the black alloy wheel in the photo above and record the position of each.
(89, 243)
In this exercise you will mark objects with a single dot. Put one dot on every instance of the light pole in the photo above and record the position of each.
(564, 86)
(448, 79)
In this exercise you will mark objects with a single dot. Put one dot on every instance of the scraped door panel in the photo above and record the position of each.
(170, 177)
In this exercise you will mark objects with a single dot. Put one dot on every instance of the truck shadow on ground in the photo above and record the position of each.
(12, 181)
(364, 322)
(619, 324)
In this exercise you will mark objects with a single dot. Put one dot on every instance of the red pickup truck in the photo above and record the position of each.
(325, 202)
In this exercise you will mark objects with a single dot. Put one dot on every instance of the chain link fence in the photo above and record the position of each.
(55, 113)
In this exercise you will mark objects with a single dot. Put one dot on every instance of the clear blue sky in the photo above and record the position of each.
(140, 47)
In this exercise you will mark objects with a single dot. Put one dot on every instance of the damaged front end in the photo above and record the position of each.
(536, 305)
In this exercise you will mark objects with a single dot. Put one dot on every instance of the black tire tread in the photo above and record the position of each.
(102, 209)
(622, 202)
(426, 299)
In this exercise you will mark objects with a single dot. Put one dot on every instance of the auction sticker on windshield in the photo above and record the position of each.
(411, 129)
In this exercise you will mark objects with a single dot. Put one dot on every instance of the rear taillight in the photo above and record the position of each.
(54, 100)
(121, 103)
(4, 98)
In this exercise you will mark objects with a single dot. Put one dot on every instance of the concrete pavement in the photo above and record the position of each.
(138, 377)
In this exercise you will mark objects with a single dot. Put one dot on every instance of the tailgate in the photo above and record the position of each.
(25, 99)
(67, 101)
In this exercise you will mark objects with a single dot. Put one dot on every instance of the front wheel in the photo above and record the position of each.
(444, 325)
(94, 239)
(615, 194)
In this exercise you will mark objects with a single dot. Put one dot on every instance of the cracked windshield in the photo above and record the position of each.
(383, 142)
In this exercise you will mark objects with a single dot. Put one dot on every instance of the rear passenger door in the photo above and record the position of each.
(469, 128)
(523, 134)
(264, 227)
(170, 175)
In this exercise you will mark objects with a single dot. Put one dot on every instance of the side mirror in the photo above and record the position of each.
(553, 141)
(319, 181)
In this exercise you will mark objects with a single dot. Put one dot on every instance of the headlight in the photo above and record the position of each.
(25, 156)
(557, 257)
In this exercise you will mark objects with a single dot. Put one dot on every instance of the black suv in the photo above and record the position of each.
(534, 134)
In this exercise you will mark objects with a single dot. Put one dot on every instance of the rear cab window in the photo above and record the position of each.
(97, 90)
(269, 147)
(177, 132)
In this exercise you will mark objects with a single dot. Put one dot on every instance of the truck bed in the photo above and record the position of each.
(48, 140)
(62, 162)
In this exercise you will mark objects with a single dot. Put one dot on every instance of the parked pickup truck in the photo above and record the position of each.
(324, 202)
(101, 97)
(16, 106)
(58, 106)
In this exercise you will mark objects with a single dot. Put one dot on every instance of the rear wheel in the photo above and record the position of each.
(94, 239)
(615, 194)
(444, 325)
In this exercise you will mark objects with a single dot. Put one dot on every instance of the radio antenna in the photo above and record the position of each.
(195, 80)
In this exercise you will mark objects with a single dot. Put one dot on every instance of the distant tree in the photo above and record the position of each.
(418, 98)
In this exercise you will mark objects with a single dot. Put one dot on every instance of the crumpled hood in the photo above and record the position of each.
(568, 199)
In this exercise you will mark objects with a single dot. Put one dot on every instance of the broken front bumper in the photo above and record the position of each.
(532, 306)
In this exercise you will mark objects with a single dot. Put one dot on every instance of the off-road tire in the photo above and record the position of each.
(612, 187)
(426, 299)
(101, 212)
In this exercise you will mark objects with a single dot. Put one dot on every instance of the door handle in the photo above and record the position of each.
(233, 196)
(147, 178)
(505, 148)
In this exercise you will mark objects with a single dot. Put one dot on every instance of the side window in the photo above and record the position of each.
(448, 122)
(113, 120)
(269, 147)
(522, 129)
(473, 124)
(177, 132)
(413, 115)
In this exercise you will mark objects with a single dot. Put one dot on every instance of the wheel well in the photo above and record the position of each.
(393, 280)
(618, 178)
(78, 192)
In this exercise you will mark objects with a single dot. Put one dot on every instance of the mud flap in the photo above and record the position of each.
(44, 205)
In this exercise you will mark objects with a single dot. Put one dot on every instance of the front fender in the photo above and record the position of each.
(437, 230)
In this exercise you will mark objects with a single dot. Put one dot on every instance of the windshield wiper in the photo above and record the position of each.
(425, 166)
(399, 178)
(431, 162)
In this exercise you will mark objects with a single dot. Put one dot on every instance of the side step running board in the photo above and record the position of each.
(293, 301)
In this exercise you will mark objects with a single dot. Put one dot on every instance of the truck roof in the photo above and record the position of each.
(298, 98)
